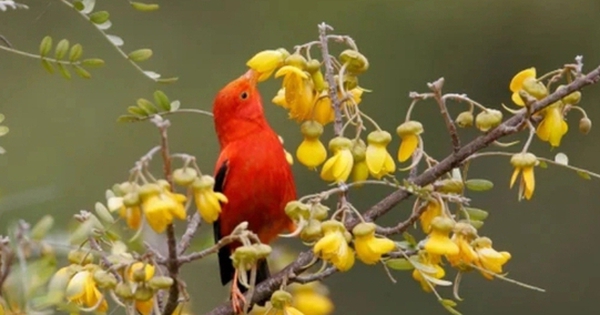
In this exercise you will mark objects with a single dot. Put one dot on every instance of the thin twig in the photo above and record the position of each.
(436, 87)
(329, 76)
(315, 276)
(186, 240)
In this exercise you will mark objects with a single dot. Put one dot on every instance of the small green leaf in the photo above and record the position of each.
(93, 62)
(424, 268)
(99, 17)
(436, 281)
(81, 72)
(167, 80)
(479, 184)
(75, 53)
(140, 54)
(399, 264)
(41, 228)
(45, 46)
(78, 5)
(147, 106)
(81, 233)
(584, 175)
(115, 40)
(103, 213)
(475, 223)
(409, 238)
(448, 302)
(64, 71)
(449, 308)
(3, 130)
(61, 49)
(144, 7)
(134, 110)
(48, 66)
(127, 118)
(161, 99)
(542, 164)
(175, 105)
(476, 214)
(2, 117)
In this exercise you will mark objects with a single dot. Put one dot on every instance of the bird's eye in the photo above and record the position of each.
(244, 95)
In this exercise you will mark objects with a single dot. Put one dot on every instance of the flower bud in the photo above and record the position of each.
(160, 282)
(411, 127)
(359, 150)
(262, 250)
(442, 224)
(311, 232)
(203, 182)
(123, 290)
(143, 293)
(105, 279)
(488, 119)
(585, 124)
(244, 256)
(80, 257)
(296, 60)
(281, 299)
(296, 210)
(572, 99)
(363, 229)
(521, 160)
(139, 275)
(350, 81)
(320, 211)
(355, 62)
(184, 176)
(313, 66)
(465, 119)
(535, 88)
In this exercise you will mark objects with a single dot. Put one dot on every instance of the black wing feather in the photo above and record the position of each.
(225, 266)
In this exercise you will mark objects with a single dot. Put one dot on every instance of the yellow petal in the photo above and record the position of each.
(375, 157)
(360, 171)
(292, 311)
(328, 245)
(291, 70)
(311, 303)
(323, 111)
(529, 180)
(407, 147)
(552, 127)
(144, 307)
(311, 153)
(158, 218)
(265, 62)
(516, 98)
(440, 244)
(76, 286)
(514, 176)
(279, 99)
(343, 167)
(517, 81)
(299, 95)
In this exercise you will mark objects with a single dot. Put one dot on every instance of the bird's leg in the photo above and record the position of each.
(238, 300)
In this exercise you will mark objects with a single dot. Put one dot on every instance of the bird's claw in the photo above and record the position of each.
(238, 300)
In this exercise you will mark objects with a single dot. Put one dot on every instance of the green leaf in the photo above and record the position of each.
(99, 17)
(479, 184)
(64, 71)
(134, 110)
(45, 46)
(128, 118)
(48, 66)
(409, 238)
(161, 99)
(75, 53)
(449, 308)
(475, 223)
(61, 49)
(476, 214)
(542, 164)
(147, 106)
(93, 62)
(3, 130)
(448, 302)
(175, 105)
(81, 72)
(2, 117)
(436, 281)
(103, 213)
(584, 175)
(144, 7)
(41, 228)
(167, 80)
(78, 5)
(399, 264)
(140, 54)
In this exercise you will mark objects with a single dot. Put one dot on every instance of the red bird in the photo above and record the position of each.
(252, 172)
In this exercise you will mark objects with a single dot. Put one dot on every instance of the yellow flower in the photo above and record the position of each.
(524, 163)
(409, 133)
(431, 269)
(137, 267)
(333, 246)
(311, 299)
(82, 291)
(338, 167)
(434, 209)
(207, 200)
(360, 170)
(299, 92)
(160, 206)
(368, 247)
(145, 307)
(553, 126)
(266, 61)
(279, 99)
(132, 216)
(281, 304)
(379, 160)
(438, 241)
(462, 237)
(311, 152)
(323, 110)
(516, 84)
(489, 258)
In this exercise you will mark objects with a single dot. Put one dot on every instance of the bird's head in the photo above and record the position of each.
(239, 99)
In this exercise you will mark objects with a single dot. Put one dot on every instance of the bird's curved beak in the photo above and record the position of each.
(251, 76)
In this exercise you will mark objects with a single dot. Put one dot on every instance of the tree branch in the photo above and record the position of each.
(265, 289)
(436, 87)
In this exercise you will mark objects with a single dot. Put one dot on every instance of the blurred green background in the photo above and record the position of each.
(65, 148)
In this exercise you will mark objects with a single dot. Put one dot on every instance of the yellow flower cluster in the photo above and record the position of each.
(463, 250)
(552, 126)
